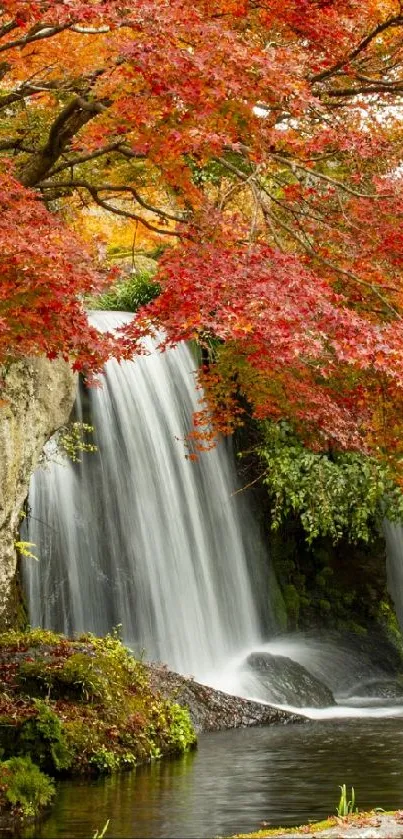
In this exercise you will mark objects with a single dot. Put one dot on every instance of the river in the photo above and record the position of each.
(238, 779)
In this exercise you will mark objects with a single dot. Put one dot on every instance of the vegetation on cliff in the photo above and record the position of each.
(128, 294)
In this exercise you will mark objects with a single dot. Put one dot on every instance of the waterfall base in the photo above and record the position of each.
(213, 710)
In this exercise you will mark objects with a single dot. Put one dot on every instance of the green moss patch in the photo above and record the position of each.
(83, 706)
(24, 790)
(280, 831)
(359, 820)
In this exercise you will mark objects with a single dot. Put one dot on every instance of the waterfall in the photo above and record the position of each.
(394, 565)
(138, 535)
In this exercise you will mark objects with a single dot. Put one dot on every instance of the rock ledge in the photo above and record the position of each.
(214, 710)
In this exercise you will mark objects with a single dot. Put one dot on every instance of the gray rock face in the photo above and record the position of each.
(380, 689)
(285, 682)
(214, 710)
(36, 399)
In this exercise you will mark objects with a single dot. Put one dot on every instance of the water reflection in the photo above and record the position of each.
(236, 780)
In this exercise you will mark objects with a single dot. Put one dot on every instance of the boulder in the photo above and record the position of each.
(379, 689)
(285, 682)
(214, 710)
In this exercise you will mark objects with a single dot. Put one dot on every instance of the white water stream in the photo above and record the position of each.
(140, 536)
(394, 565)
(137, 534)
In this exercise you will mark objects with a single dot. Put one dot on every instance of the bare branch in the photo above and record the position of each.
(336, 268)
(8, 27)
(127, 214)
(307, 246)
(112, 147)
(116, 189)
(11, 143)
(34, 35)
(390, 23)
(293, 164)
(90, 30)
(362, 90)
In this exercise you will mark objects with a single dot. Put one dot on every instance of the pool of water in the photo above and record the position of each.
(238, 779)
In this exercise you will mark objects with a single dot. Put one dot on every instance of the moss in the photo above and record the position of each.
(279, 609)
(15, 613)
(361, 819)
(292, 605)
(24, 789)
(387, 618)
(279, 831)
(24, 640)
(340, 588)
(83, 705)
(350, 577)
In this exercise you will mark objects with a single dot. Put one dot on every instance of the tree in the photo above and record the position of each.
(263, 141)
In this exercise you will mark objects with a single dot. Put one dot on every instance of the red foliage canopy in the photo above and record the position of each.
(43, 272)
(269, 136)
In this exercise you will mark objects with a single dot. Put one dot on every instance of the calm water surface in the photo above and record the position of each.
(237, 779)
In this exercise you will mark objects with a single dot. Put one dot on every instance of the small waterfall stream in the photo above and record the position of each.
(394, 565)
(140, 536)
(137, 534)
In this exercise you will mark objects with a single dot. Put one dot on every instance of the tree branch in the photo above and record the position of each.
(362, 90)
(68, 122)
(309, 248)
(391, 22)
(8, 27)
(112, 147)
(11, 143)
(292, 164)
(95, 191)
(35, 35)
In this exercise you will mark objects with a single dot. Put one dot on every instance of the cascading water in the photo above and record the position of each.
(136, 534)
(394, 565)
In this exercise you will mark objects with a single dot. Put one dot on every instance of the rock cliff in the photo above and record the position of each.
(36, 398)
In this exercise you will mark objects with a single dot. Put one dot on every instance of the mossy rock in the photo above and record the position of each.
(83, 706)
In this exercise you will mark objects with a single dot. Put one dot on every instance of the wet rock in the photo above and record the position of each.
(379, 688)
(214, 710)
(285, 682)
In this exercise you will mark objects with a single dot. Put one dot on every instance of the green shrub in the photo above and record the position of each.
(336, 494)
(43, 738)
(181, 731)
(104, 761)
(25, 786)
(129, 294)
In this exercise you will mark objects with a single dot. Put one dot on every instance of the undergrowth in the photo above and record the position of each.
(24, 789)
(83, 706)
(129, 294)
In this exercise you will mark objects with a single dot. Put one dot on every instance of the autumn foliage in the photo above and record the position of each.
(43, 271)
(262, 141)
